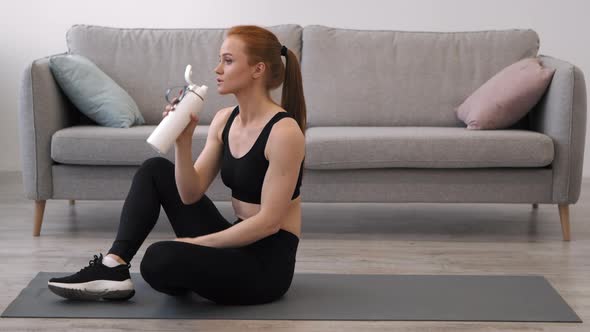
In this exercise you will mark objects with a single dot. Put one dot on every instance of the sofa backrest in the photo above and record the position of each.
(145, 62)
(399, 78)
(350, 77)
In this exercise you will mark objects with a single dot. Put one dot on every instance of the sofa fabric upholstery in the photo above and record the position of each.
(381, 125)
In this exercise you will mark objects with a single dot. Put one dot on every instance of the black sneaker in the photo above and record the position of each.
(94, 282)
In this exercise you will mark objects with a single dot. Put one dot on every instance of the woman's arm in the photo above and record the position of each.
(187, 180)
(286, 152)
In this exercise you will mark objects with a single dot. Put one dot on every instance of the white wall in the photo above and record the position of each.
(33, 29)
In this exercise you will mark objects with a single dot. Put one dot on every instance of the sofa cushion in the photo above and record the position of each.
(424, 147)
(96, 145)
(331, 147)
(507, 97)
(401, 78)
(94, 93)
(145, 62)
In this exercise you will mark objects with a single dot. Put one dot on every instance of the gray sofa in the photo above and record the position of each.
(381, 124)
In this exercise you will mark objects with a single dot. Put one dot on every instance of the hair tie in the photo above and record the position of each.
(284, 50)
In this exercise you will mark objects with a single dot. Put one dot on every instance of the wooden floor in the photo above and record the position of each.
(483, 239)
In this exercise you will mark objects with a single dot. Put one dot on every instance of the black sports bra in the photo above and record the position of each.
(245, 175)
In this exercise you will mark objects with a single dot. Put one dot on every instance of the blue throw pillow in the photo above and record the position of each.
(94, 93)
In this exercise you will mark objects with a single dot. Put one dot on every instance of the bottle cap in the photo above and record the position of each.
(188, 72)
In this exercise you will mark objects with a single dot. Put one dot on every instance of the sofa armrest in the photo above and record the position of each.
(43, 109)
(561, 114)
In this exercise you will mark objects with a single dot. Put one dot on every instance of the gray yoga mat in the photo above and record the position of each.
(329, 297)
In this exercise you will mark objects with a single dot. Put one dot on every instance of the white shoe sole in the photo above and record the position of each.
(94, 290)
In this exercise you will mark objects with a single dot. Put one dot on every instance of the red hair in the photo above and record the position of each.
(263, 46)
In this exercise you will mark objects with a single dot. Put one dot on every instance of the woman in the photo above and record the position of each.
(259, 147)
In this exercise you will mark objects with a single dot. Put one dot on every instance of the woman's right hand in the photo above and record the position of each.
(186, 135)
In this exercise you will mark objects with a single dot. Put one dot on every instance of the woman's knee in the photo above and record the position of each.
(159, 269)
(156, 162)
(156, 262)
(154, 165)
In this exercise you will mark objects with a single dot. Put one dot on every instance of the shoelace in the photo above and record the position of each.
(92, 262)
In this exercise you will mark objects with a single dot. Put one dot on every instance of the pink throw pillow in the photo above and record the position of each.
(506, 97)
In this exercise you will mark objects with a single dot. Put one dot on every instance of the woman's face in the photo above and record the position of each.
(233, 71)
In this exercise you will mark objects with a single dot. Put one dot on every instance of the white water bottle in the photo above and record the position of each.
(168, 130)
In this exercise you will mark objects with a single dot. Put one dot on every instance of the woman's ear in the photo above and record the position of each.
(259, 70)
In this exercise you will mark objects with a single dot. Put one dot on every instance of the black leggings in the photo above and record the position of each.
(257, 273)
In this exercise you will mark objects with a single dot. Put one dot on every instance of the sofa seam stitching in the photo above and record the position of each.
(424, 31)
(34, 131)
(423, 161)
(569, 160)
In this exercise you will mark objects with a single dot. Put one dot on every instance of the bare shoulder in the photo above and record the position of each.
(219, 120)
(286, 134)
(225, 112)
(286, 126)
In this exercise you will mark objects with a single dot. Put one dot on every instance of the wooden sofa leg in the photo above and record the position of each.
(39, 210)
(535, 206)
(564, 216)
(72, 201)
